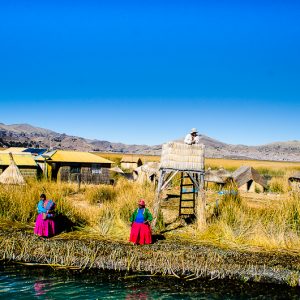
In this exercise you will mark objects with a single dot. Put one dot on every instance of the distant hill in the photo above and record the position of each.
(25, 135)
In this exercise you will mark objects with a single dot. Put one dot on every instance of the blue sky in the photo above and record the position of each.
(145, 72)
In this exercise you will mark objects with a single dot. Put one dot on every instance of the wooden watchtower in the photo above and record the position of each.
(189, 161)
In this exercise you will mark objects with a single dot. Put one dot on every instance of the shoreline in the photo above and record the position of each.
(187, 262)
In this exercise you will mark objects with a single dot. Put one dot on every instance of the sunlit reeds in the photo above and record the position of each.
(105, 211)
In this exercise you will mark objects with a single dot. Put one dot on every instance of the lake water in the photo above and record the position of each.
(19, 282)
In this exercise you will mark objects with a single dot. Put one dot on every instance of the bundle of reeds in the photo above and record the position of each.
(12, 174)
(182, 157)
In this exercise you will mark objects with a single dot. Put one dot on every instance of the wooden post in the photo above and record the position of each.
(157, 199)
(200, 205)
(78, 181)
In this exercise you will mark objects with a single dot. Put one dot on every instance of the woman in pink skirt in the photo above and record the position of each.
(45, 225)
(140, 225)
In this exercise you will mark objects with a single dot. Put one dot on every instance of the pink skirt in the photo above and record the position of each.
(140, 234)
(43, 227)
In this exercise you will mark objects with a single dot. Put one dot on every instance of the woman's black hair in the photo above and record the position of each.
(43, 196)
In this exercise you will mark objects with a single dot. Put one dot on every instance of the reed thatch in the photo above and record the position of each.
(12, 174)
(245, 174)
(117, 170)
(217, 176)
(183, 157)
(130, 162)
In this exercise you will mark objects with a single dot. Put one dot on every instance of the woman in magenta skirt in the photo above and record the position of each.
(140, 225)
(45, 225)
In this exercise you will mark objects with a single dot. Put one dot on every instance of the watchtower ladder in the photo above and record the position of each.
(188, 195)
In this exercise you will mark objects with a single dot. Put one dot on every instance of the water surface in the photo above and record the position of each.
(19, 282)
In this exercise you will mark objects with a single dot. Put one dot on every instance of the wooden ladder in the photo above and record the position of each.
(188, 196)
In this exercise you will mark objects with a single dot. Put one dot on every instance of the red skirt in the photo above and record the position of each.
(140, 234)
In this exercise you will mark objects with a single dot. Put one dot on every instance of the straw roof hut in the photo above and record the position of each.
(294, 181)
(217, 176)
(249, 180)
(130, 162)
(75, 166)
(12, 174)
(148, 172)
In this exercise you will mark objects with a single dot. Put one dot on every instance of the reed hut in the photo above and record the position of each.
(149, 172)
(24, 161)
(130, 162)
(188, 160)
(75, 166)
(12, 174)
(248, 179)
(219, 177)
(294, 181)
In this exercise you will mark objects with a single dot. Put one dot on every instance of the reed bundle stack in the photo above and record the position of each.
(182, 157)
(12, 174)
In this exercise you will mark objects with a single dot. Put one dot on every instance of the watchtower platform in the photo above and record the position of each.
(189, 161)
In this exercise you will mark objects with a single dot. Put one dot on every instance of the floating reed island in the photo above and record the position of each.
(241, 240)
(187, 262)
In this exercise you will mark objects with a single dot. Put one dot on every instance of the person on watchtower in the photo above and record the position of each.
(192, 137)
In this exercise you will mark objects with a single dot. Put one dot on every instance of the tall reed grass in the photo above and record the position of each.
(105, 210)
(102, 209)
(19, 203)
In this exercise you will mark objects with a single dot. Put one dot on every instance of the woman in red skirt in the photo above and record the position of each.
(140, 225)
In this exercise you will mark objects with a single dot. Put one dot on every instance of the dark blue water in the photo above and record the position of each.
(19, 282)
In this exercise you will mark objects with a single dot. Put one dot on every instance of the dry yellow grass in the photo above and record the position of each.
(273, 168)
(270, 222)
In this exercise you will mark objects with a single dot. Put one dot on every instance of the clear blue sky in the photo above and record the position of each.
(145, 72)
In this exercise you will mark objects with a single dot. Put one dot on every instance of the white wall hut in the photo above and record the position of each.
(130, 162)
(249, 180)
(294, 181)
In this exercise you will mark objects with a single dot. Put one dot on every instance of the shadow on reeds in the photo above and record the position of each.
(63, 224)
(180, 222)
(157, 237)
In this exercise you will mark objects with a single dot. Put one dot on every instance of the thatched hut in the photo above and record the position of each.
(219, 177)
(294, 181)
(248, 179)
(130, 162)
(149, 172)
(24, 161)
(12, 174)
(76, 166)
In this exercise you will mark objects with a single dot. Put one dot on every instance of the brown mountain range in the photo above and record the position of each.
(25, 135)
